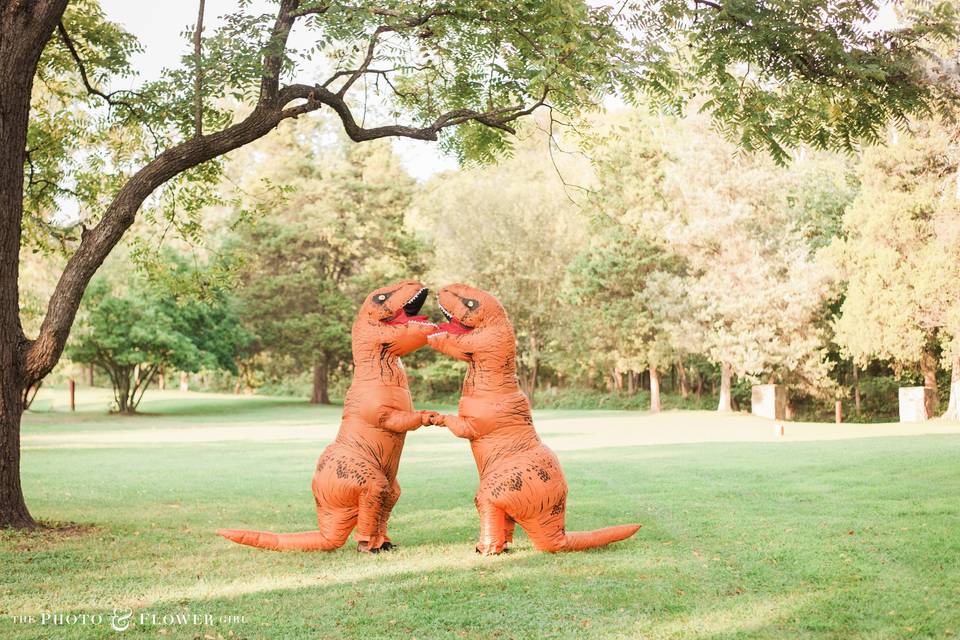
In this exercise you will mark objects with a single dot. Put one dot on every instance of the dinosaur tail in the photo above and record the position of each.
(307, 541)
(580, 540)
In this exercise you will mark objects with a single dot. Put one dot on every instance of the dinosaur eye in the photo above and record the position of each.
(381, 297)
(470, 303)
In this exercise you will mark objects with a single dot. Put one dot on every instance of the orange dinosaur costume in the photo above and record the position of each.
(355, 483)
(520, 477)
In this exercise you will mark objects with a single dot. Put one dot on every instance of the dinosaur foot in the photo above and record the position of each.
(364, 547)
(492, 549)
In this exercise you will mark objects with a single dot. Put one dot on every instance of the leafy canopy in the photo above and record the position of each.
(140, 329)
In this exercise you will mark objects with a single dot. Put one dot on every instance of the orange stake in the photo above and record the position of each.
(355, 483)
(521, 481)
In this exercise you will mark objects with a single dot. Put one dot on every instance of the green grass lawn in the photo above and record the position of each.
(833, 539)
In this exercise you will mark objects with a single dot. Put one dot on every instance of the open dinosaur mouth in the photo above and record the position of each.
(452, 325)
(408, 312)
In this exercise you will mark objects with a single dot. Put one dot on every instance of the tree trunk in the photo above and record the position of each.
(726, 375)
(531, 377)
(953, 408)
(90, 376)
(928, 367)
(25, 28)
(122, 393)
(162, 379)
(617, 378)
(13, 508)
(682, 378)
(655, 406)
(856, 389)
(320, 385)
(184, 381)
(631, 382)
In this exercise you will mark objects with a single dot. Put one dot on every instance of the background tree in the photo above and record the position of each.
(752, 286)
(613, 287)
(512, 229)
(339, 233)
(748, 287)
(901, 258)
(133, 334)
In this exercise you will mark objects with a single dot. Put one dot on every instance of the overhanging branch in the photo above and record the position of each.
(318, 95)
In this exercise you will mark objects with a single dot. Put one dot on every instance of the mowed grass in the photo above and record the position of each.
(834, 539)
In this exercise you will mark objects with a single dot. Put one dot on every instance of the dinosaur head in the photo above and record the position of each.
(476, 324)
(388, 319)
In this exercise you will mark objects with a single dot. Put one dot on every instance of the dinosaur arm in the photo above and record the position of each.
(403, 421)
(459, 426)
(448, 345)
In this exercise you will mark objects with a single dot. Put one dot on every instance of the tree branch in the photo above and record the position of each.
(82, 68)
(371, 48)
(309, 11)
(198, 74)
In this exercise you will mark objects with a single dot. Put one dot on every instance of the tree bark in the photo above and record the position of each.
(529, 381)
(953, 408)
(655, 405)
(13, 507)
(320, 385)
(928, 367)
(726, 375)
(25, 28)
(856, 389)
(184, 381)
(90, 376)
(682, 377)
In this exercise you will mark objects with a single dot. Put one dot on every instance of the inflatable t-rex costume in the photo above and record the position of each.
(520, 477)
(355, 483)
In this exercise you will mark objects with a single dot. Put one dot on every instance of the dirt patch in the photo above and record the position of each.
(47, 533)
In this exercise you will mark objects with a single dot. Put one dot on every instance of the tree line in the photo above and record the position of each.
(661, 259)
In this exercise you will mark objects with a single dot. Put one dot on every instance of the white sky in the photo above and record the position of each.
(158, 25)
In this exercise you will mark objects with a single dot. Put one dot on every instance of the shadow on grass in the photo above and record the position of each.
(445, 591)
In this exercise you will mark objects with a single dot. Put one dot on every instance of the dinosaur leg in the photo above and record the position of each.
(546, 531)
(508, 531)
(493, 523)
(387, 509)
(373, 512)
(336, 523)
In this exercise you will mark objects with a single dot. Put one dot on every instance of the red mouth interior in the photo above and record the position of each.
(401, 317)
(454, 327)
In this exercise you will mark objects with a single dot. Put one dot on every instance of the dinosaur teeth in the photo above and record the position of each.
(444, 311)
(414, 297)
